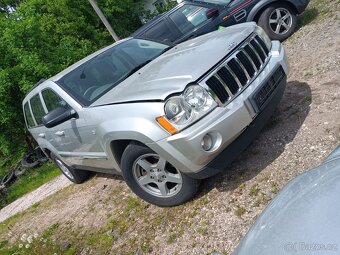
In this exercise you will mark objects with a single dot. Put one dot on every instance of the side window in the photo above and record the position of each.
(189, 17)
(160, 32)
(28, 116)
(53, 100)
(37, 109)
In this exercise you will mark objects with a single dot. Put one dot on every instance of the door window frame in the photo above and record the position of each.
(30, 107)
(42, 98)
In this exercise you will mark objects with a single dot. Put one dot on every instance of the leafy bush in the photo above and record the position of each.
(38, 39)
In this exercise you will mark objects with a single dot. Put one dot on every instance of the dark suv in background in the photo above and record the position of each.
(190, 19)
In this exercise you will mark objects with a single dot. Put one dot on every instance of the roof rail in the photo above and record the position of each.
(35, 85)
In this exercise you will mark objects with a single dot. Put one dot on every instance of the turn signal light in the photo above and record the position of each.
(166, 125)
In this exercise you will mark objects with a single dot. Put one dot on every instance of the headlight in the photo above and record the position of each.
(264, 36)
(196, 97)
(183, 110)
(177, 110)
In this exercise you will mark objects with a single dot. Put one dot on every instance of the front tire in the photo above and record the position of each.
(154, 179)
(75, 176)
(279, 21)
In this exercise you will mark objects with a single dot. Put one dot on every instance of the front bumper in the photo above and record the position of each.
(232, 127)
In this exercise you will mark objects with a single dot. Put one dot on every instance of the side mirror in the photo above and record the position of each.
(212, 13)
(58, 116)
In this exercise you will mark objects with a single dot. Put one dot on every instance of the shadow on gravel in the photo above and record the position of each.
(110, 176)
(307, 17)
(270, 143)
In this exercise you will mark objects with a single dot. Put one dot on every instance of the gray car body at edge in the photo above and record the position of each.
(303, 218)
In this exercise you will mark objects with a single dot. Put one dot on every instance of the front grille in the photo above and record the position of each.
(239, 70)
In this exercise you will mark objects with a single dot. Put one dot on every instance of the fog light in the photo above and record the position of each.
(207, 142)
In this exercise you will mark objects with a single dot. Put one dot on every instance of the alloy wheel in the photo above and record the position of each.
(63, 168)
(156, 176)
(280, 21)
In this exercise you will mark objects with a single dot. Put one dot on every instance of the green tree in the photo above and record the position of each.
(39, 38)
(124, 16)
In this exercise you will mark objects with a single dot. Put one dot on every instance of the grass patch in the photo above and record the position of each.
(240, 211)
(3, 170)
(254, 190)
(309, 15)
(49, 232)
(242, 186)
(132, 203)
(171, 238)
(33, 179)
(3, 243)
(203, 231)
(274, 187)
(318, 10)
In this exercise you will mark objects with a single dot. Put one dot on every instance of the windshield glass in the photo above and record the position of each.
(223, 2)
(100, 74)
(189, 17)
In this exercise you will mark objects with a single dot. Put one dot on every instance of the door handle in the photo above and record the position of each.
(41, 135)
(59, 133)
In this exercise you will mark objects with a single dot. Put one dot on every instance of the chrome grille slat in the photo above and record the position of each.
(228, 79)
(234, 76)
(258, 49)
(255, 40)
(224, 85)
(244, 69)
(256, 53)
(250, 60)
(238, 71)
(261, 41)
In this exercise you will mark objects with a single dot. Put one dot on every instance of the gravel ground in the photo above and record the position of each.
(303, 131)
(34, 197)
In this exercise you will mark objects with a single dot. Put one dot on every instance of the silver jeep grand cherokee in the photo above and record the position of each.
(162, 116)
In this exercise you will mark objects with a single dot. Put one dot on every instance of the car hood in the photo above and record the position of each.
(175, 69)
(304, 216)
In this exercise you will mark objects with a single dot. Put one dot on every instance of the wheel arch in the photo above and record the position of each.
(47, 152)
(257, 10)
(118, 147)
(116, 135)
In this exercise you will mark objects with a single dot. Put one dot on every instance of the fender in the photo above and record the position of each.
(138, 125)
(263, 3)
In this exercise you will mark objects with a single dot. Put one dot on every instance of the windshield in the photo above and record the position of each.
(100, 74)
(223, 2)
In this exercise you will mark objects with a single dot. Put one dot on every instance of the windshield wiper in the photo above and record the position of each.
(163, 51)
(135, 69)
